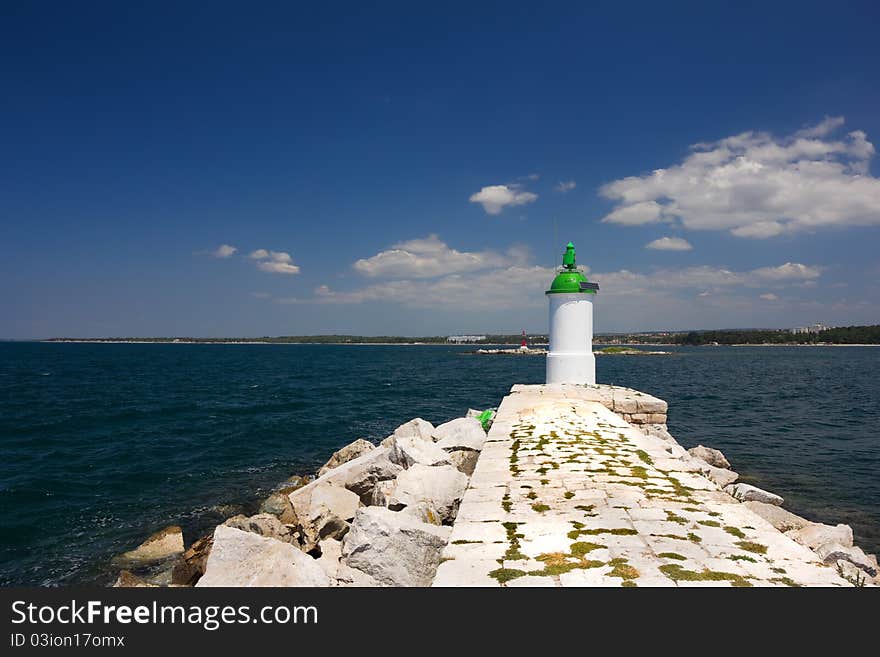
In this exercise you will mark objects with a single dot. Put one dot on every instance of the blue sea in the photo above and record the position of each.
(103, 444)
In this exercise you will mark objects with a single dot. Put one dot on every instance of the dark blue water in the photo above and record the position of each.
(103, 444)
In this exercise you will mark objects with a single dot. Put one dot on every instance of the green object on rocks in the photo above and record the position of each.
(485, 418)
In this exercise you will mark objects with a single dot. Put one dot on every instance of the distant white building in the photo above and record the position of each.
(459, 339)
(812, 328)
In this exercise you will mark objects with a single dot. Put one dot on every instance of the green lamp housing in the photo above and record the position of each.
(569, 280)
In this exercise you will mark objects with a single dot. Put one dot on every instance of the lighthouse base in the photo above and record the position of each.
(571, 368)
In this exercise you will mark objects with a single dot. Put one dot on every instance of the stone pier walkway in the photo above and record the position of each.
(568, 493)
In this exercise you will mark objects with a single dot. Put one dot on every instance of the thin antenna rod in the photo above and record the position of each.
(555, 244)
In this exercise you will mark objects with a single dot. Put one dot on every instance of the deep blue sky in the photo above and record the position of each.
(137, 140)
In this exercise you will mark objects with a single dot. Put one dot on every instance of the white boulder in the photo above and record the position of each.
(362, 474)
(324, 510)
(461, 433)
(351, 451)
(710, 456)
(393, 548)
(160, 545)
(245, 559)
(749, 493)
(264, 524)
(415, 428)
(815, 534)
(777, 516)
(464, 460)
(721, 476)
(442, 487)
(408, 450)
(424, 512)
(833, 552)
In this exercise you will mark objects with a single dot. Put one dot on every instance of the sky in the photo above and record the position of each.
(220, 169)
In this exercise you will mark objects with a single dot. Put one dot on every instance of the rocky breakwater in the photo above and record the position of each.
(375, 515)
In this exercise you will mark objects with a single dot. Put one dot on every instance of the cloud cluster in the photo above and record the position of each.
(706, 279)
(274, 262)
(224, 251)
(497, 289)
(427, 273)
(429, 257)
(757, 185)
(495, 198)
(565, 186)
(670, 244)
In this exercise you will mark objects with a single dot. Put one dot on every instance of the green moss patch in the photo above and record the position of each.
(581, 548)
(751, 546)
(675, 572)
(672, 555)
(506, 574)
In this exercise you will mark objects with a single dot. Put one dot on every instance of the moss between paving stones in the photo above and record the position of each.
(642, 454)
(751, 546)
(788, 581)
(506, 574)
(677, 573)
(672, 536)
(580, 548)
(619, 531)
(672, 555)
(734, 531)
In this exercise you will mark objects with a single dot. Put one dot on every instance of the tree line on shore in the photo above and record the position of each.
(837, 335)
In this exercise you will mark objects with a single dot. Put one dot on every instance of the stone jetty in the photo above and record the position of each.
(573, 486)
(584, 486)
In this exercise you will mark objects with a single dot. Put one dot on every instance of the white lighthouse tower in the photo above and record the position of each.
(570, 358)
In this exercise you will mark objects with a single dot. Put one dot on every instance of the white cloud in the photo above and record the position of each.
(275, 262)
(224, 251)
(495, 198)
(637, 214)
(522, 286)
(260, 295)
(565, 186)
(497, 289)
(790, 271)
(769, 297)
(429, 257)
(757, 185)
(670, 244)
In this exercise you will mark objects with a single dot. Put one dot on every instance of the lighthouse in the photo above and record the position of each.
(570, 358)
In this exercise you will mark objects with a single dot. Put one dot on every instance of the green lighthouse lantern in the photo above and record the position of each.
(570, 280)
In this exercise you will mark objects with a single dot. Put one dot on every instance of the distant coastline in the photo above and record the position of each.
(222, 341)
(833, 336)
